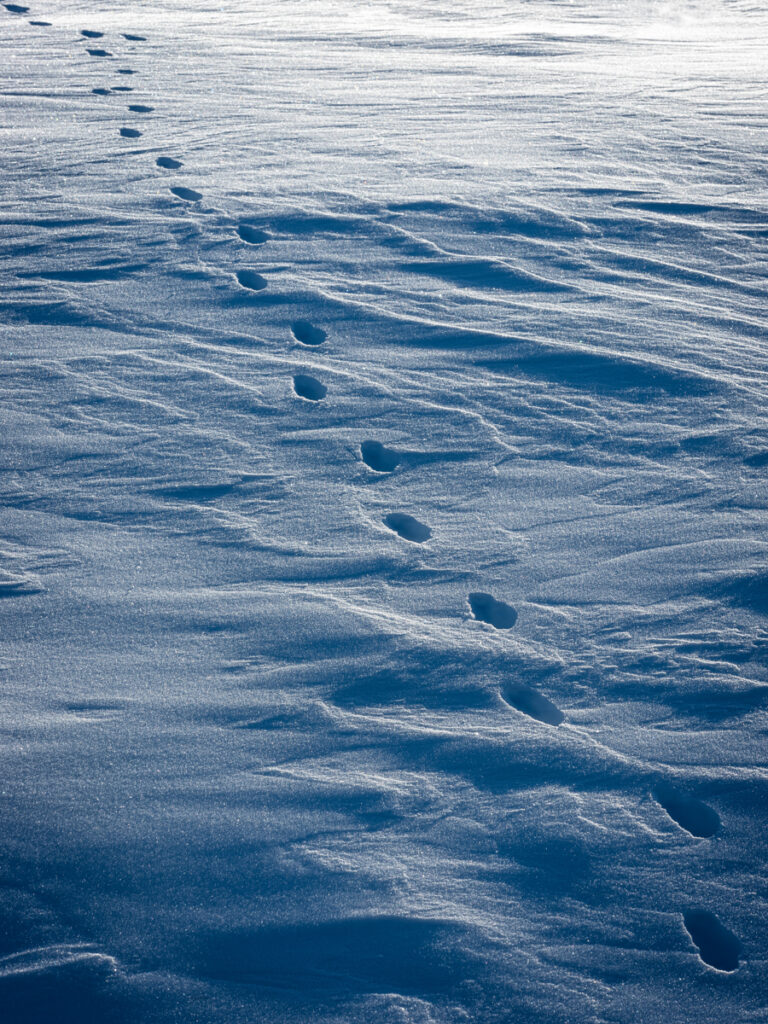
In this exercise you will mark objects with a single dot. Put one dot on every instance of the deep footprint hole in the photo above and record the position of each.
(304, 332)
(485, 608)
(187, 194)
(378, 458)
(252, 235)
(689, 813)
(717, 946)
(309, 388)
(407, 527)
(251, 280)
(532, 703)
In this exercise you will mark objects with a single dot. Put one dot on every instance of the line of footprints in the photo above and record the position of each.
(718, 947)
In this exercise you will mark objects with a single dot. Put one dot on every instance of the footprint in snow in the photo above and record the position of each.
(90, 34)
(140, 108)
(168, 163)
(532, 703)
(41, 24)
(100, 92)
(16, 8)
(251, 280)
(134, 39)
(718, 947)
(126, 71)
(99, 53)
(188, 194)
(407, 527)
(309, 388)
(251, 235)
(689, 813)
(122, 88)
(485, 608)
(130, 133)
(304, 332)
(378, 458)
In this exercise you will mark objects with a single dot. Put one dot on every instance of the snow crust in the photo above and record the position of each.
(383, 557)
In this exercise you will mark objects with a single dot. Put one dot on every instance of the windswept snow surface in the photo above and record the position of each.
(383, 552)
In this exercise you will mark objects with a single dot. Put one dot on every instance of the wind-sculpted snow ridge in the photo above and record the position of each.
(383, 567)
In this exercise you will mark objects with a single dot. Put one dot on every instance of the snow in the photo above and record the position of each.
(383, 565)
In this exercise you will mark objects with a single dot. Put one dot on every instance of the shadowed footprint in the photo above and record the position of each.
(41, 24)
(126, 71)
(378, 458)
(407, 527)
(251, 235)
(188, 194)
(689, 813)
(130, 133)
(122, 88)
(304, 332)
(717, 946)
(486, 608)
(251, 280)
(100, 92)
(139, 108)
(134, 39)
(168, 163)
(16, 8)
(309, 388)
(99, 53)
(90, 34)
(532, 703)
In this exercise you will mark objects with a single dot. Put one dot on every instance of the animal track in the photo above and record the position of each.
(717, 946)
(130, 133)
(168, 163)
(90, 34)
(188, 194)
(251, 235)
(41, 24)
(407, 527)
(16, 8)
(304, 332)
(378, 458)
(122, 88)
(126, 71)
(689, 813)
(100, 92)
(532, 703)
(485, 608)
(251, 280)
(140, 108)
(134, 39)
(309, 388)
(99, 53)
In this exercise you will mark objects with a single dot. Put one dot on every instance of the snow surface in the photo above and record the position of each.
(382, 547)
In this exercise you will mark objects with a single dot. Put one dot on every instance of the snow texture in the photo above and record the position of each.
(383, 553)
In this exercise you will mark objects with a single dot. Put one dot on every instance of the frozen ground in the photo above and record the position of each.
(382, 546)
